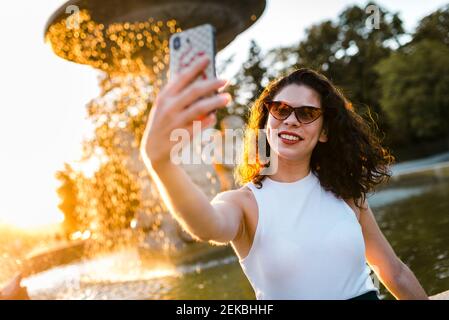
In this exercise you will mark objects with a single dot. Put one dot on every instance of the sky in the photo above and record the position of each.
(43, 97)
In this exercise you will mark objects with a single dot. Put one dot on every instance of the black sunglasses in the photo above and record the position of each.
(281, 111)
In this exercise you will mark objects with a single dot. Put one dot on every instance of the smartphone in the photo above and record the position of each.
(188, 45)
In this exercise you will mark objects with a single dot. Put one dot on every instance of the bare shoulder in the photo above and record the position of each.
(239, 206)
(239, 197)
(356, 210)
(360, 212)
(244, 199)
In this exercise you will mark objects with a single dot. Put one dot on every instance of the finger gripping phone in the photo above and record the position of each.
(187, 46)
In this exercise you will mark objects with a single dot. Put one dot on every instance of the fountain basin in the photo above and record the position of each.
(109, 35)
(190, 254)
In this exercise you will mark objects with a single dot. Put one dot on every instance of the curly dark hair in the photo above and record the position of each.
(352, 161)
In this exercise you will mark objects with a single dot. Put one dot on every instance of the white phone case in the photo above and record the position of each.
(190, 44)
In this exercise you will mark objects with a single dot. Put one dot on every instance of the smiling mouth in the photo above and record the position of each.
(285, 137)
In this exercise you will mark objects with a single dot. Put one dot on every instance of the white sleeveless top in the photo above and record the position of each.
(308, 244)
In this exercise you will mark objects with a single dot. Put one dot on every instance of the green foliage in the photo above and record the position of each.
(346, 51)
(435, 26)
(376, 69)
(247, 84)
(253, 72)
(415, 86)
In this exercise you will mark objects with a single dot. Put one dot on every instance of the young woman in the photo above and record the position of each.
(306, 230)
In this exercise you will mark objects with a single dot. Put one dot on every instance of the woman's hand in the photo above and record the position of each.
(177, 105)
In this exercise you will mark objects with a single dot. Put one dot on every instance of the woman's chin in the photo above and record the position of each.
(289, 154)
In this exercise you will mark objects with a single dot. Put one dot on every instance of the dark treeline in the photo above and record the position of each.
(399, 79)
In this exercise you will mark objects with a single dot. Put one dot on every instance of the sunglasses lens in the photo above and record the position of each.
(279, 110)
(282, 111)
(307, 114)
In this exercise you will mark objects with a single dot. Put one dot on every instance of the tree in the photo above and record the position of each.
(435, 26)
(247, 84)
(253, 71)
(415, 86)
(346, 51)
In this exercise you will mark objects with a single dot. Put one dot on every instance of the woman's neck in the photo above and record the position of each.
(289, 171)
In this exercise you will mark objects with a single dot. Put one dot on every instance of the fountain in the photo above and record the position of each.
(127, 41)
(106, 34)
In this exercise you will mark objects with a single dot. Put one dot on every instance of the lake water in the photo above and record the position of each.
(414, 219)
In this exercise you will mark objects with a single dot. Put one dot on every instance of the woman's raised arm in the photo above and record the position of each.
(177, 105)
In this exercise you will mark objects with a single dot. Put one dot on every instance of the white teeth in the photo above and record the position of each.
(289, 137)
